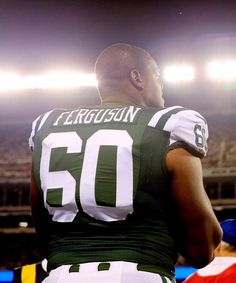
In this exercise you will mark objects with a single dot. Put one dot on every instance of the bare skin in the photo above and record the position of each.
(225, 249)
(200, 231)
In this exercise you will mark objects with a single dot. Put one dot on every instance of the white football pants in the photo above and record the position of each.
(118, 272)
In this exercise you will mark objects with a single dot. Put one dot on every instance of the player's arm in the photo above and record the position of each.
(198, 230)
(39, 213)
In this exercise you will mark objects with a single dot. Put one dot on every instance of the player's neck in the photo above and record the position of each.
(120, 97)
(115, 100)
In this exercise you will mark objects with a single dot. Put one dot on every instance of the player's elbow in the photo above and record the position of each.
(204, 250)
(201, 261)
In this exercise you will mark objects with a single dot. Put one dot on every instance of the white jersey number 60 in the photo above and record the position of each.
(68, 209)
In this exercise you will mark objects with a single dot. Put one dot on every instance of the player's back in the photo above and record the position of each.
(104, 181)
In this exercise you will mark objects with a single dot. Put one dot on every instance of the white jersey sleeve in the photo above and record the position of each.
(187, 128)
(33, 130)
(36, 125)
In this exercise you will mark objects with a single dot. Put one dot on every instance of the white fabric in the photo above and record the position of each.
(33, 131)
(44, 264)
(119, 272)
(31, 142)
(155, 119)
(181, 127)
(218, 265)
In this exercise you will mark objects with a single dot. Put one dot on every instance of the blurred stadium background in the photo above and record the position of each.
(194, 45)
(214, 97)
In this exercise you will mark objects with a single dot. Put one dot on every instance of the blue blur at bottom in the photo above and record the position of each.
(6, 276)
(182, 272)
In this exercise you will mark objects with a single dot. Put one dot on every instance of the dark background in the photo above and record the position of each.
(71, 33)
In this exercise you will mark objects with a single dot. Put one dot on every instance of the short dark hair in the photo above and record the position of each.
(117, 60)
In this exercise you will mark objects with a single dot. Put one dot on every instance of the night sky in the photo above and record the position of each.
(36, 34)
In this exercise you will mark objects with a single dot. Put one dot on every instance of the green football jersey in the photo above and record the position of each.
(104, 182)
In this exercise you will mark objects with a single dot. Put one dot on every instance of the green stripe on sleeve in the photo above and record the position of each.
(165, 117)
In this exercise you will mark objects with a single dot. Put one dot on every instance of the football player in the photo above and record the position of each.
(117, 189)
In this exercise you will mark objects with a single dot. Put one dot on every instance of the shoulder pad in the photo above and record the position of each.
(187, 128)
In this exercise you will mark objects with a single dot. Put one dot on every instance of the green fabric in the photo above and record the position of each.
(144, 236)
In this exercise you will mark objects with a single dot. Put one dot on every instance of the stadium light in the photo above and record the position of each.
(178, 73)
(55, 80)
(65, 80)
(9, 81)
(222, 70)
(23, 224)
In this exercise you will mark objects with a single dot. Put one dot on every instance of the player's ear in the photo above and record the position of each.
(136, 79)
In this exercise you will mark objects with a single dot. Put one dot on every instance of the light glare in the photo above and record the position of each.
(179, 73)
(9, 81)
(53, 80)
(23, 224)
(224, 70)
